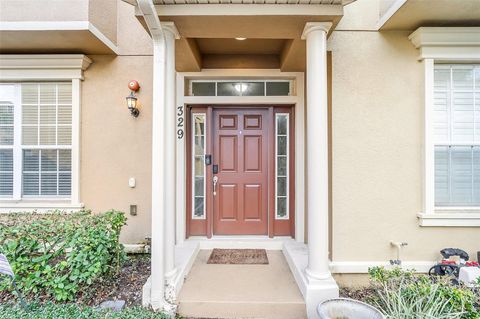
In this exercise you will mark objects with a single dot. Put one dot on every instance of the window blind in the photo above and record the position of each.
(46, 139)
(7, 96)
(457, 134)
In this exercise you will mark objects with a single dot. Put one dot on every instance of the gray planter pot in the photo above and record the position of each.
(344, 308)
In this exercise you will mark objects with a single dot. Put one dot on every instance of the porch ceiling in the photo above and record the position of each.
(412, 14)
(273, 31)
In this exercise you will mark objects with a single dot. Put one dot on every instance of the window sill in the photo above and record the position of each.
(448, 218)
(40, 205)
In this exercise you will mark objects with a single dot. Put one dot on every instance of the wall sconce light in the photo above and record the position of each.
(132, 99)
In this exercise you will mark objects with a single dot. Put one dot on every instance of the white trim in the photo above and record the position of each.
(76, 122)
(389, 13)
(429, 165)
(40, 205)
(445, 218)
(248, 10)
(440, 45)
(58, 26)
(361, 267)
(447, 44)
(181, 168)
(192, 181)
(17, 145)
(297, 100)
(239, 242)
(63, 67)
(42, 67)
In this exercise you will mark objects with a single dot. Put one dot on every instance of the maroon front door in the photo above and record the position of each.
(240, 149)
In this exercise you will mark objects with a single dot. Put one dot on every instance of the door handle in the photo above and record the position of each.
(215, 181)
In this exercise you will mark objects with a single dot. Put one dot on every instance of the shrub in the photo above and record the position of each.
(402, 294)
(73, 311)
(57, 254)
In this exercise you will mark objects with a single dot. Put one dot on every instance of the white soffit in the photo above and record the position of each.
(447, 44)
(411, 14)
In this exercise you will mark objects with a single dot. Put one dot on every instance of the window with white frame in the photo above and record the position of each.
(36, 140)
(456, 135)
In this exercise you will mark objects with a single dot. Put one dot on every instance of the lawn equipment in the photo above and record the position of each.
(456, 264)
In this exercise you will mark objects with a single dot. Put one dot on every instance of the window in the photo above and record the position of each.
(241, 88)
(456, 135)
(198, 165)
(36, 140)
(281, 165)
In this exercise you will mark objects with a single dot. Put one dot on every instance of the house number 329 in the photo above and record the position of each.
(180, 120)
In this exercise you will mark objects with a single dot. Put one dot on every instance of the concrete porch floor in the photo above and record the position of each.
(241, 291)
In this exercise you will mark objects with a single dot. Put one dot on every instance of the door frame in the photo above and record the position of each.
(275, 227)
(296, 99)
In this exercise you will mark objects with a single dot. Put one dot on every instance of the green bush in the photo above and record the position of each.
(402, 294)
(74, 311)
(57, 254)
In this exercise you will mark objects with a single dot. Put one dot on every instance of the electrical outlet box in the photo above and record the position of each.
(133, 210)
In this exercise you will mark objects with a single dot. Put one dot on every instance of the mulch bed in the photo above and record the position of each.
(126, 285)
(363, 294)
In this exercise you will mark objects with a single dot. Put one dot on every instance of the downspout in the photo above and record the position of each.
(157, 279)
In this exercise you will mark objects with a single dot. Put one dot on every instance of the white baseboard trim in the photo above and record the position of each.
(361, 267)
(240, 242)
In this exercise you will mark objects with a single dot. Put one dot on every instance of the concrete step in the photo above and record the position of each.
(273, 310)
(241, 291)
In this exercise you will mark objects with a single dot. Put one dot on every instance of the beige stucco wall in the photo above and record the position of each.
(114, 145)
(102, 14)
(377, 116)
(377, 119)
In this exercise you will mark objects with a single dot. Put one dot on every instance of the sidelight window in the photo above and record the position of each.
(281, 166)
(198, 165)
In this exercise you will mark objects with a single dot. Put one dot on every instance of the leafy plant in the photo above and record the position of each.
(74, 311)
(57, 254)
(402, 295)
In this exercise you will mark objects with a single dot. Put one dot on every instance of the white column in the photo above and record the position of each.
(317, 150)
(157, 290)
(171, 33)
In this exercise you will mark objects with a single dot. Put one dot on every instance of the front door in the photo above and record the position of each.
(240, 159)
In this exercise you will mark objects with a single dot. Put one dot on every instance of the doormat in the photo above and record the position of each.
(238, 257)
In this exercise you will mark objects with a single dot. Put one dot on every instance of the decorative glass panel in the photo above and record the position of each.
(203, 88)
(281, 165)
(278, 88)
(198, 166)
(240, 88)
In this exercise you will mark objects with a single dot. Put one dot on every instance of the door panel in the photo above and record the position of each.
(240, 149)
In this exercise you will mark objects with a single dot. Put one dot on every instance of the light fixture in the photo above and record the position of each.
(132, 99)
(241, 87)
(240, 39)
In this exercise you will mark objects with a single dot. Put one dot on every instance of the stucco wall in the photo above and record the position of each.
(377, 124)
(116, 146)
(377, 119)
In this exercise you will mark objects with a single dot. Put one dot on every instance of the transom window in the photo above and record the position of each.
(36, 140)
(240, 88)
(456, 133)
